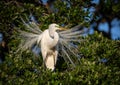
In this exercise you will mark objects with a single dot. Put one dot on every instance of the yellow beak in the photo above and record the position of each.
(61, 28)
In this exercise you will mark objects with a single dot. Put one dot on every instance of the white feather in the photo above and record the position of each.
(50, 39)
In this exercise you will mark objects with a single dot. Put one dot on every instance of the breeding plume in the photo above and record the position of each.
(53, 42)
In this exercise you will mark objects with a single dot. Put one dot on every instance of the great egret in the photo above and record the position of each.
(52, 41)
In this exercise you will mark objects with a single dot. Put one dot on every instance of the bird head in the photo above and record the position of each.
(53, 28)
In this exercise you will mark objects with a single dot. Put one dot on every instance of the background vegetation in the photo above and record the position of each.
(100, 56)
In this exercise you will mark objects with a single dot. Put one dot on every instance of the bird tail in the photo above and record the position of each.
(70, 44)
(30, 37)
(50, 62)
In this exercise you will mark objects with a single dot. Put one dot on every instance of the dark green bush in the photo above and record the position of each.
(25, 69)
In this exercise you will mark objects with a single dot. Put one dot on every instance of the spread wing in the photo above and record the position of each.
(69, 44)
(31, 37)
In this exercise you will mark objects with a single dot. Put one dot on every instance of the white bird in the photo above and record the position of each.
(52, 42)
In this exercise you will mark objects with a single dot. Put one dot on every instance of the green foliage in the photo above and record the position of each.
(100, 47)
(27, 69)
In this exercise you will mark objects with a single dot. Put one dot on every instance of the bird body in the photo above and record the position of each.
(51, 42)
(49, 49)
(48, 40)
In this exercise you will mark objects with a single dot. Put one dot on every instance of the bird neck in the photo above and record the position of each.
(54, 36)
(55, 39)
